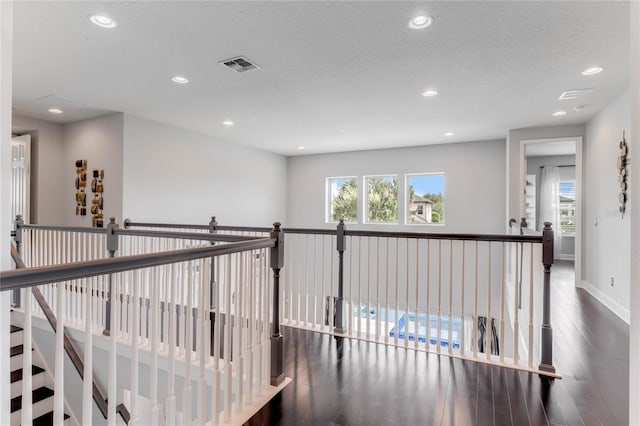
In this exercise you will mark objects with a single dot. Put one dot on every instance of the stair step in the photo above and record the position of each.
(16, 336)
(16, 375)
(38, 395)
(37, 380)
(16, 350)
(46, 419)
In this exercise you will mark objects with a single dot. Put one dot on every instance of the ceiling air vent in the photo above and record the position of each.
(573, 94)
(239, 64)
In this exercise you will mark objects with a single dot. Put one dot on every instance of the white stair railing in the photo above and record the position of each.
(222, 291)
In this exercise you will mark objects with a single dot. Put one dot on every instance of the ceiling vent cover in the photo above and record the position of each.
(573, 94)
(239, 64)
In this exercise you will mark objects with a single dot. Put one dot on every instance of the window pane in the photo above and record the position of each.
(425, 198)
(343, 199)
(567, 207)
(382, 199)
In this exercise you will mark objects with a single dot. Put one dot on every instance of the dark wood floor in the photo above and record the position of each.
(348, 382)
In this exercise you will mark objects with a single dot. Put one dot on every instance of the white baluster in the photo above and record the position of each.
(87, 381)
(406, 292)
(58, 397)
(386, 298)
(217, 328)
(417, 336)
(27, 409)
(516, 323)
(113, 335)
(530, 305)
(502, 284)
(201, 345)
(474, 338)
(462, 316)
(439, 319)
(377, 301)
(171, 399)
(227, 341)
(154, 331)
(135, 339)
(396, 311)
(488, 328)
(187, 391)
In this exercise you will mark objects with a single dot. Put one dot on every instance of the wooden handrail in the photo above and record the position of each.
(13, 279)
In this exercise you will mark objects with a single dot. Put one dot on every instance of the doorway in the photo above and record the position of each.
(20, 177)
(552, 184)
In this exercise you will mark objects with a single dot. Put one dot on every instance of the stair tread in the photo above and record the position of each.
(15, 329)
(16, 375)
(38, 395)
(46, 419)
(16, 350)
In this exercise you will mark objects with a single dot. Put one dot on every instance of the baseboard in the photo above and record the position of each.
(566, 257)
(607, 301)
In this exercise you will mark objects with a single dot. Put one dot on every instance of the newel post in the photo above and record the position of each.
(17, 238)
(112, 248)
(546, 352)
(277, 342)
(340, 247)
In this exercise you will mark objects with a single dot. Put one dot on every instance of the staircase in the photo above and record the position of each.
(42, 396)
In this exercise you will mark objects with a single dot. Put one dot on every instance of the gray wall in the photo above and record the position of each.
(172, 174)
(473, 184)
(99, 141)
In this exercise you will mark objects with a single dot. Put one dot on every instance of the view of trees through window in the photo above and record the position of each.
(568, 207)
(425, 198)
(343, 193)
(382, 199)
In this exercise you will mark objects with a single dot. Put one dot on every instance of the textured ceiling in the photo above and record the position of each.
(335, 76)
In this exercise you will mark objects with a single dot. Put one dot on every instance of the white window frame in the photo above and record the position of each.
(365, 200)
(328, 200)
(407, 203)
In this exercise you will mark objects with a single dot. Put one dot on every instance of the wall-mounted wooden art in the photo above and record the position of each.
(81, 184)
(623, 162)
(97, 204)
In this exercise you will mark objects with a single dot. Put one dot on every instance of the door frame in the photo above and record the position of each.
(579, 191)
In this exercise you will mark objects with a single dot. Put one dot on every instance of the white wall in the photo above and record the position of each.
(634, 333)
(6, 45)
(49, 190)
(607, 235)
(473, 194)
(99, 141)
(174, 175)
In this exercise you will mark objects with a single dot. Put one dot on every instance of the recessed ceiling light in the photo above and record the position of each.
(592, 71)
(420, 21)
(103, 21)
(55, 110)
(449, 134)
(179, 79)
(228, 123)
(430, 92)
(301, 148)
(559, 113)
